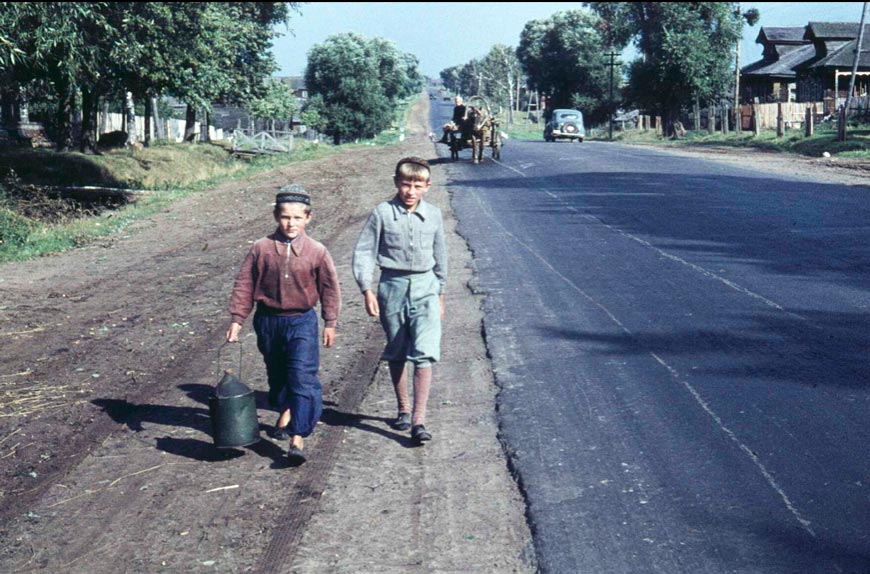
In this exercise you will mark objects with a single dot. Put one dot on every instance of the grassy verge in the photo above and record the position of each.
(167, 172)
(523, 129)
(856, 146)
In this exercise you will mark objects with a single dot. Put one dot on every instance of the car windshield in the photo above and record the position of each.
(568, 116)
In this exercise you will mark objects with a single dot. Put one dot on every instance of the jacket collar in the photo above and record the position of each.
(297, 245)
(423, 210)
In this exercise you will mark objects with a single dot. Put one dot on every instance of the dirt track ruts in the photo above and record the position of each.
(114, 471)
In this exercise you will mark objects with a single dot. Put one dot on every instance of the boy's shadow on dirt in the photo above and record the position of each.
(336, 418)
(197, 420)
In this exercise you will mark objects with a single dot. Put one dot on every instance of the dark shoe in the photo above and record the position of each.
(280, 433)
(296, 456)
(402, 422)
(420, 434)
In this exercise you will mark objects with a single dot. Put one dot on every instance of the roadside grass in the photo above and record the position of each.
(159, 175)
(856, 146)
(523, 129)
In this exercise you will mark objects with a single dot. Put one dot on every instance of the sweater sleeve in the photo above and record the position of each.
(366, 251)
(242, 297)
(329, 290)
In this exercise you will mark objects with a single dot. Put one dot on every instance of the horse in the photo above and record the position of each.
(478, 126)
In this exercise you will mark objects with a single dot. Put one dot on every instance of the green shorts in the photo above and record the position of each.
(411, 316)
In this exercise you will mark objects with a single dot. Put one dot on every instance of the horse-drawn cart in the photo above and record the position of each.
(479, 129)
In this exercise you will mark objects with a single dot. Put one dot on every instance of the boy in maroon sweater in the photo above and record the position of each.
(284, 275)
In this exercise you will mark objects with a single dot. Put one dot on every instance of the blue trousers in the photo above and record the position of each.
(291, 350)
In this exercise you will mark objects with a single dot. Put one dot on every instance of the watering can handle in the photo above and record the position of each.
(220, 350)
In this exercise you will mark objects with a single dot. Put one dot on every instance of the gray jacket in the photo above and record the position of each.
(401, 240)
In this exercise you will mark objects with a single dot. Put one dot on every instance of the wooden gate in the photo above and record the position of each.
(262, 142)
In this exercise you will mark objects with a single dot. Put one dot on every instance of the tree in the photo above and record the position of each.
(355, 83)
(501, 71)
(471, 78)
(413, 77)
(62, 42)
(278, 103)
(390, 67)
(450, 78)
(222, 53)
(564, 58)
(686, 51)
(9, 52)
(200, 52)
(530, 51)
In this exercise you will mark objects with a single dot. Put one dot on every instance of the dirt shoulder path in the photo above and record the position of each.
(107, 359)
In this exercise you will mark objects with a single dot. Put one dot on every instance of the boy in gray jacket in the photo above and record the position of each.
(405, 238)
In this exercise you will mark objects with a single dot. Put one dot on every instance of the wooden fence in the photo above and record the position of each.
(793, 114)
(174, 129)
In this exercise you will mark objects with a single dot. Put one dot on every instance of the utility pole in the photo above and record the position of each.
(841, 128)
(737, 118)
(613, 63)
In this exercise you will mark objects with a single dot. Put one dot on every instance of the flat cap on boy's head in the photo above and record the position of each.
(292, 194)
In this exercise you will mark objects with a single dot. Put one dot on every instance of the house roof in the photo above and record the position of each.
(784, 67)
(843, 56)
(831, 31)
(823, 45)
(780, 35)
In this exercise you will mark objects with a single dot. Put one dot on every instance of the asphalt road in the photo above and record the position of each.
(682, 352)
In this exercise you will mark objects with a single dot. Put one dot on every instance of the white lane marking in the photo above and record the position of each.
(703, 271)
(746, 450)
(513, 169)
(675, 375)
(698, 268)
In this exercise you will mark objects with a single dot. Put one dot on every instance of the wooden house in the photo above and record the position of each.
(827, 74)
(773, 78)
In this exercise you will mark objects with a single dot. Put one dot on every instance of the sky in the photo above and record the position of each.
(445, 34)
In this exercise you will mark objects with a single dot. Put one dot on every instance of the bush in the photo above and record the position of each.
(14, 228)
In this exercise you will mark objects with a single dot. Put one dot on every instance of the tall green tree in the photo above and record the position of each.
(200, 52)
(686, 51)
(355, 82)
(413, 76)
(278, 103)
(502, 72)
(223, 52)
(471, 78)
(564, 57)
(62, 42)
(450, 78)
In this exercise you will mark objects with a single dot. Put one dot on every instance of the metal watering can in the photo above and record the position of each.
(233, 410)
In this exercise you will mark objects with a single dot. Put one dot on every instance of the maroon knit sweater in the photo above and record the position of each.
(287, 279)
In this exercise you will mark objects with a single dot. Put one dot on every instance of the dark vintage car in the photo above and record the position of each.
(565, 124)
